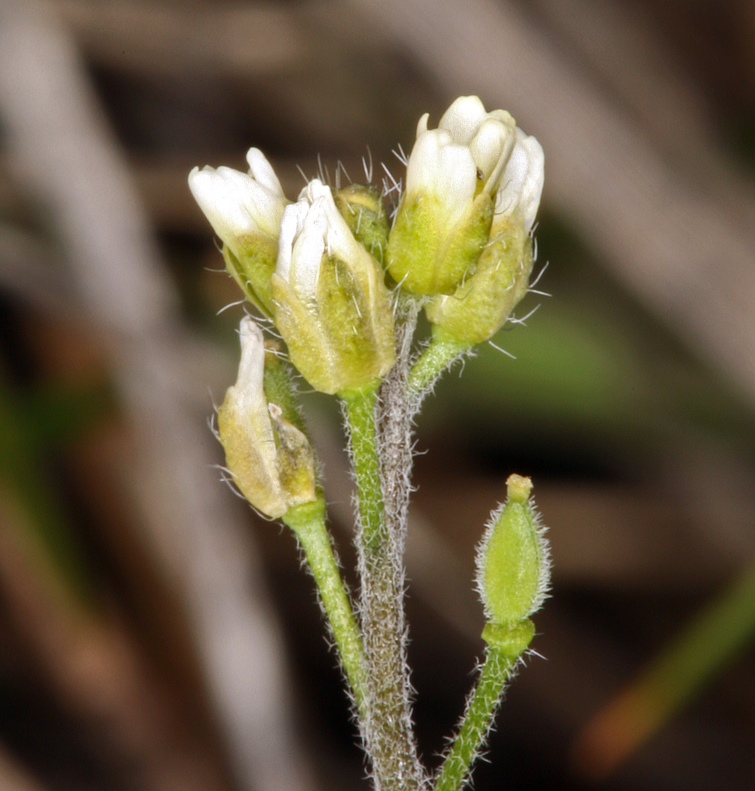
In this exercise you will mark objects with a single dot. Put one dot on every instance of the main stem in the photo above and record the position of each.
(388, 726)
(308, 523)
(478, 718)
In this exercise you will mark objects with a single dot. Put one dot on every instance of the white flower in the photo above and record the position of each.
(245, 210)
(311, 227)
(240, 204)
(270, 459)
(483, 302)
(452, 177)
(332, 306)
(464, 156)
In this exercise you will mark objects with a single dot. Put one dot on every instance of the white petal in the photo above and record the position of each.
(522, 183)
(235, 204)
(223, 202)
(444, 170)
(463, 118)
(504, 117)
(491, 147)
(338, 239)
(532, 189)
(314, 190)
(252, 366)
(291, 225)
(262, 171)
(308, 249)
(422, 125)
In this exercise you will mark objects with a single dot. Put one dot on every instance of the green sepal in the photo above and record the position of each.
(481, 304)
(362, 207)
(424, 256)
(511, 639)
(254, 269)
(279, 386)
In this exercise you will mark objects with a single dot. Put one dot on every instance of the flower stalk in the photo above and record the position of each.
(308, 523)
(477, 720)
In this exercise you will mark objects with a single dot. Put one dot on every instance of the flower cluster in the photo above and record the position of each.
(322, 268)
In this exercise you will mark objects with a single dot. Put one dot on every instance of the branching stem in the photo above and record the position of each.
(441, 352)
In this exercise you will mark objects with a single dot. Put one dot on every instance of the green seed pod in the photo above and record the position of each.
(513, 560)
(362, 208)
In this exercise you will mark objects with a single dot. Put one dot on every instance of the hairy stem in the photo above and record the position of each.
(441, 352)
(477, 720)
(388, 728)
(308, 523)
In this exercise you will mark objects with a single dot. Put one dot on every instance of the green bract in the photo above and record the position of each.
(332, 306)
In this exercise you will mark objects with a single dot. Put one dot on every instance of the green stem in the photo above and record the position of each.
(388, 729)
(478, 718)
(442, 350)
(308, 522)
(360, 414)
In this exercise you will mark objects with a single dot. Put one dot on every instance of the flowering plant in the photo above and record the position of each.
(459, 247)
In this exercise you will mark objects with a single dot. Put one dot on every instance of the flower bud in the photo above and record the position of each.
(332, 306)
(362, 208)
(271, 460)
(445, 214)
(513, 561)
(481, 304)
(245, 211)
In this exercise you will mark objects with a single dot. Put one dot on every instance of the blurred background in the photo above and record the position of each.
(155, 634)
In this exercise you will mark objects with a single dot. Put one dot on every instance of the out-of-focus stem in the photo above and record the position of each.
(679, 672)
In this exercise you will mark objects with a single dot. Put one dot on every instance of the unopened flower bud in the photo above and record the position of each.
(483, 301)
(513, 567)
(445, 214)
(245, 211)
(332, 306)
(271, 460)
(362, 208)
